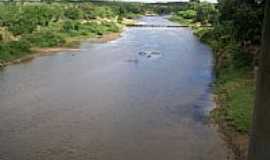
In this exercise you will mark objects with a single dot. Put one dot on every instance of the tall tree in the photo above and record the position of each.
(259, 148)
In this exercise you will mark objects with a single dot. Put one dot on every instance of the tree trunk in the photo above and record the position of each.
(259, 148)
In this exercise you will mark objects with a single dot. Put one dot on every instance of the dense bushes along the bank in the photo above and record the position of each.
(28, 25)
(233, 29)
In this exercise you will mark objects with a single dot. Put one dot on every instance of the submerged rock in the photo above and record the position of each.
(149, 53)
(142, 53)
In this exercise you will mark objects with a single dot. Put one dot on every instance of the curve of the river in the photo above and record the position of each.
(144, 96)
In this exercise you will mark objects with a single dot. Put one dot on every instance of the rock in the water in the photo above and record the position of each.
(142, 53)
(149, 54)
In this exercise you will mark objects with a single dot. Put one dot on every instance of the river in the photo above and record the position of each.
(144, 96)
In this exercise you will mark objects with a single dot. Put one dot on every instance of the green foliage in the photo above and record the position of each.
(163, 10)
(111, 27)
(181, 20)
(199, 12)
(93, 27)
(13, 49)
(89, 28)
(25, 19)
(88, 11)
(246, 17)
(236, 92)
(206, 12)
(70, 26)
(6, 36)
(44, 39)
(103, 12)
(73, 13)
(188, 14)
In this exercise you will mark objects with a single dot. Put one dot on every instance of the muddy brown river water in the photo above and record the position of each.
(110, 101)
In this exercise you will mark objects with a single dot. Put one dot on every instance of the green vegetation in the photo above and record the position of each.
(29, 25)
(180, 19)
(13, 49)
(236, 91)
(200, 13)
(163, 8)
(233, 30)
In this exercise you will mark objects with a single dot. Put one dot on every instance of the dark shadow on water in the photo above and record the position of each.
(197, 112)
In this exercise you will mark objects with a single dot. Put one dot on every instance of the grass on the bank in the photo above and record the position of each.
(236, 91)
(234, 84)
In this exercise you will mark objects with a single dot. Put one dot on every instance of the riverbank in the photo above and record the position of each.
(235, 91)
(234, 88)
(38, 29)
(72, 45)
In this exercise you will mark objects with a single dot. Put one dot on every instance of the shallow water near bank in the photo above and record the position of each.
(109, 102)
